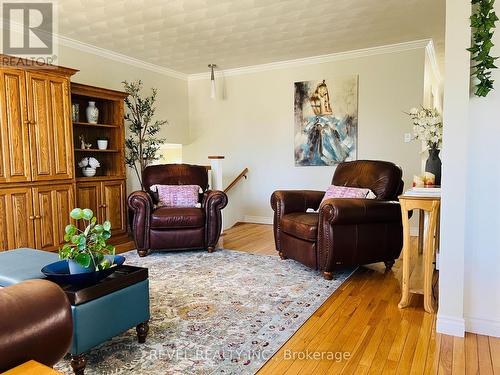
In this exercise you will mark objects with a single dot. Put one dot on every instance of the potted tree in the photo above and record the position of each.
(143, 141)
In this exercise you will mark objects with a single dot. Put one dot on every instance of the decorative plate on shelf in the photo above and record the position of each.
(58, 272)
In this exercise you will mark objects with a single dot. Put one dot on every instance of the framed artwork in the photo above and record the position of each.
(326, 121)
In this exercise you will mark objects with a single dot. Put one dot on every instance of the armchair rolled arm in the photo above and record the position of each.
(213, 202)
(35, 323)
(359, 211)
(141, 204)
(287, 201)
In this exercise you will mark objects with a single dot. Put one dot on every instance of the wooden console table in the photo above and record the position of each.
(430, 205)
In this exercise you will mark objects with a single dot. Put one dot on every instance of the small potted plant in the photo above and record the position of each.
(86, 250)
(102, 143)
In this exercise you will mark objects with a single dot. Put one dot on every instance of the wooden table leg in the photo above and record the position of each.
(142, 330)
(421, 226)
(405, 286)
(78, 363)
(429, 260)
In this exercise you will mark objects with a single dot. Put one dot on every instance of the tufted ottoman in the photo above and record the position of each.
(100, 311)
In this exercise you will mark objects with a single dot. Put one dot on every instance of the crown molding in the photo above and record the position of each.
(365, 52)
(431, 55)
(426, 44)
(115, 56)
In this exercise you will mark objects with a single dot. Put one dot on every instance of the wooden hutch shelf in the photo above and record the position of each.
(95, 125)
(95, 150)
(104, 193)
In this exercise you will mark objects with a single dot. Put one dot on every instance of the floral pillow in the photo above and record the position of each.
(347, 192)
(180, 196)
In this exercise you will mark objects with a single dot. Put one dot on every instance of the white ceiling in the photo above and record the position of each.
(186, 35)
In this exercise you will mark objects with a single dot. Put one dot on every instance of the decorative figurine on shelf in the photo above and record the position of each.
(89, 166)
(83, 145)
(92, 113)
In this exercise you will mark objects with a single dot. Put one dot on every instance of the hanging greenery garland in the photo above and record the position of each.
(483, 22)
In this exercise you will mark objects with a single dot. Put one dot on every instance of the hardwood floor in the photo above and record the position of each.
(360, 329)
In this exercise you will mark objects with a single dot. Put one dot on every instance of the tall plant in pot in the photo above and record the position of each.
(143, 142)
(428, 128)
(86, 250)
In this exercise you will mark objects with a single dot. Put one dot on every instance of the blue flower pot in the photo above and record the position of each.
(75, 268)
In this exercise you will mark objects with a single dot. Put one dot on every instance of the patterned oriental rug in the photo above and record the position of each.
(221, 313)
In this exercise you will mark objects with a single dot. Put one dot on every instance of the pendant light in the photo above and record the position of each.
(212, 80)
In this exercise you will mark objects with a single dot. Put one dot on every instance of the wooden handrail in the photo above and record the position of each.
(235, 181)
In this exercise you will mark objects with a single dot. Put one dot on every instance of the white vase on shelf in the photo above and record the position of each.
(102, 144)
(92, 113)
(89, 171)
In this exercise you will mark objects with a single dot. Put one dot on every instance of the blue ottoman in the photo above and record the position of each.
(100, 311)
(23, 264)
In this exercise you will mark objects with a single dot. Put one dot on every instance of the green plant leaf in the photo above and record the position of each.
(83, 259)
(106, 235)
(98, 228)
(483, 22)
(106, 225)
(70, 229)
(76, 213)
(87, 214)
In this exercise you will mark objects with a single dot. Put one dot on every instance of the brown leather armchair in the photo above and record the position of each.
(344, 231)
(165, 228)
(35, 324)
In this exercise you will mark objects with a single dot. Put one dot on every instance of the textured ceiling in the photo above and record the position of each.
(186, 35)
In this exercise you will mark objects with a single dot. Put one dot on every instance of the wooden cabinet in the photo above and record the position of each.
(50, 127)
(113, 204)
(35, 217)
(104, 193)
(14, 132)
(52, 205)
(36, 133)
(16, 218)
(107, 200)
(38, 156)
(36, 149)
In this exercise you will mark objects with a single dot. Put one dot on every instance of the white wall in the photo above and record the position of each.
(252, 124)
(454, 182)
(482, 239)
(172, 103)
(470, 242)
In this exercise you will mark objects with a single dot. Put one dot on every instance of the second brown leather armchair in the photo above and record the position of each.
(35, 323)
(343, 231)
(166, 228)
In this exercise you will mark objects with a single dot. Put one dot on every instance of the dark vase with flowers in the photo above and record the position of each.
(433, 164)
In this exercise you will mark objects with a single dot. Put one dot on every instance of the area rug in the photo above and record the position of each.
(221, 313)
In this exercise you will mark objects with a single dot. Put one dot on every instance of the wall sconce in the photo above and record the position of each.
(212, 80)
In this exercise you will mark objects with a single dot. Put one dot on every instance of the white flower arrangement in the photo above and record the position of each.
(427, 126)
(89, 162)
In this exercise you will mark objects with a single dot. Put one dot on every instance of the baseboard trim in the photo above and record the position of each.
(450, 325)
(482, 326)
(257, 219)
